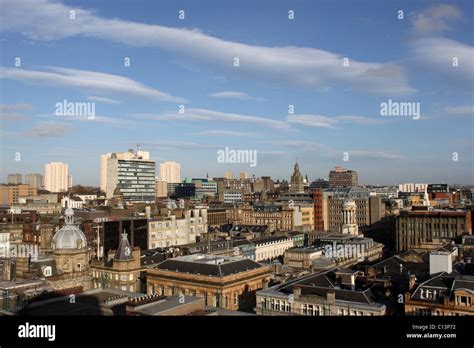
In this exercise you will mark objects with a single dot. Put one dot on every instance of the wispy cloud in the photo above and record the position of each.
(331, 121)
(48, 130)
(328, 151)
(181, 145)
(462, 110)
(227, 133)
(90, 80)
(234, 95)
(14, 112)
(301, 66)
(210, 115)
(435, 20)
(103, 100)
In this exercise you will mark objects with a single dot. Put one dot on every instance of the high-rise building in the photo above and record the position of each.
(56, 177)
(132, 172)
(229, 175)
(170, 172)
(35, 180)
(341, 177)
(14, 179)
(243, 175)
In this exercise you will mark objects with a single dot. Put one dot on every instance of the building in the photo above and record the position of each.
(341, 177)
(318, 184)
(14, 179)
(173, 230)
(56, 177)
(230, 196)
(410, 187)
(369, 209)
(216, 217)
(161, 188)
(132, 172)
(122, 271)
(339, 292)
(12, 194)
(270, 248)
(302, 258)
(445, 294)
(416, 228)
(318, 210)
(297, 180)
(110, 231)
(170, 172)
(243, 175)
(35, 180)
(223, 281)
(279, 217)
(205, 188)
(229, 175)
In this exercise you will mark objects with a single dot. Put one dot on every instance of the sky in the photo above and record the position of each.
(308, 88)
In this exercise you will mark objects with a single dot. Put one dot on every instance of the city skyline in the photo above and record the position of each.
(291, 96)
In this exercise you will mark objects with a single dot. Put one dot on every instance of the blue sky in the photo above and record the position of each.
(282, 62)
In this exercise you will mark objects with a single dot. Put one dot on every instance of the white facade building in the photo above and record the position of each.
(56, 177)
(170, 172)
(177, 231)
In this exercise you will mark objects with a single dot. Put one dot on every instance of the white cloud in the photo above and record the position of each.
(210, 115)
(227, 133)
(324, 150)
(301, 66)
(313, 120)
(234, 95)
(103, 100)
(331, 122)
(89, 80)
(438, 53)
(181, 145)
(48, 130)
(435, 19)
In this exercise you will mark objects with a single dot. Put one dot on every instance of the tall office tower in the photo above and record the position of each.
(14, 179)
(341, 177)
(132, 172)
(170, 172)
(56, 177)
(35, 180)
(243, 175)
(229, 175)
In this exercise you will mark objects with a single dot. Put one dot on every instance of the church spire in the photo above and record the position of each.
(124, 250)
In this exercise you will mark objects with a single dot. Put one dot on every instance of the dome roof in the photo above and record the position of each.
(69, 234)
